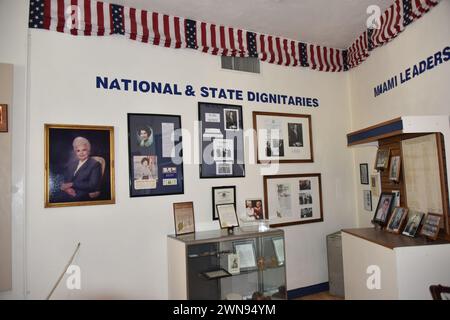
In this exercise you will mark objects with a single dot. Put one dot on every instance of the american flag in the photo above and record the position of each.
(96, 18)
(392, 22)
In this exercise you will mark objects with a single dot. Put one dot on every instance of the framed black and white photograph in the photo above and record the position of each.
(227, 215)
(283, 137)
(222, 195)
(155, 155)
(413, 223)
(384, 207)
(231, 119)
(364, 173)
(291, 199)
(221, 140)
(79, 165)
(367, 199)
(382, 158)
(394, 169)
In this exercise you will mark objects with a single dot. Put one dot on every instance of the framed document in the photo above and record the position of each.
(283, 137)
(227, 215)
(222, 195)
(278, 245)
(247, 254)
(221, 140)
(155, 155)
(183, 213)
(293, 199)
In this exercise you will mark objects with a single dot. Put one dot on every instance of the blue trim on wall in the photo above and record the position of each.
(305, 291)
(378, 131)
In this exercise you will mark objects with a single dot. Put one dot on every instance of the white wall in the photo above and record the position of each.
(426, 94)
(13, 39)
(123, 252)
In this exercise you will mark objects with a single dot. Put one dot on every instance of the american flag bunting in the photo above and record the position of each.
(96, 18)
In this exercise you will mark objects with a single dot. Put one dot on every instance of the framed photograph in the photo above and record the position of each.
(291, 199)
(413, 224)
(233, 263)
(183, 214)
(254, 209)
(382, 159)
(222, 195)
(397, 220)
(367, 200)
(3, 118)
(221, 140)
(394, 169)
(364, 173)
(79, 165)
(246, 250)
(155, 155)
(375, 184)
(227, 215)
(396, 198)
(384, 207)
(431, 226)
(283, 137)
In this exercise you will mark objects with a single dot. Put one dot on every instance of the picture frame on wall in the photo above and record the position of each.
(291, 199)
(364, 173)
(367, 195)
(222, 195)
(221, 140)
(3, 118)
(382, 159)
(184, 219)
(431, 226)
(375, 184)
(79, 165)
(384, 208)
(394, 169)
(283, 137)
(397, 220)
(155, 155)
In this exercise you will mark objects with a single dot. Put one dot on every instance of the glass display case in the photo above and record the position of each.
(215, 265)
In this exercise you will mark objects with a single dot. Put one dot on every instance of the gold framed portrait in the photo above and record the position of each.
(79, 165)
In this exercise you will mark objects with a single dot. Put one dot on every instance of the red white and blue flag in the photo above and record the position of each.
(96, 18)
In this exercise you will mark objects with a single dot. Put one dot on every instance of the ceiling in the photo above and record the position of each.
(334, 23)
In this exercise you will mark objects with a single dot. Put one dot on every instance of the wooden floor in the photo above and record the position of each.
(320, 296)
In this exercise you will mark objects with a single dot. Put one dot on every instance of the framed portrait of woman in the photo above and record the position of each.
(79, 165)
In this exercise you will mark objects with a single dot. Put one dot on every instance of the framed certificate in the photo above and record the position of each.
(247, 254)
(227, 215)
(222, 195)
